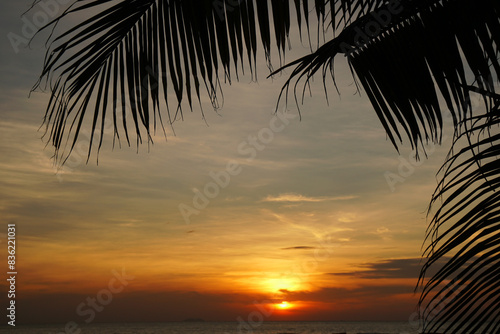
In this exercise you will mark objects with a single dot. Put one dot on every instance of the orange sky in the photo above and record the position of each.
(309, 219)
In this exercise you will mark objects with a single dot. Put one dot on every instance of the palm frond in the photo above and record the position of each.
(411, 56)
(128, 56)
(462, 297)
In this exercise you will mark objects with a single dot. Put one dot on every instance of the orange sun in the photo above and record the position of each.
(284, 305)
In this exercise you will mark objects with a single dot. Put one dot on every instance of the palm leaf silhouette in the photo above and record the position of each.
(469, 215)
(129, 56)
(419, 42)
(134, 52)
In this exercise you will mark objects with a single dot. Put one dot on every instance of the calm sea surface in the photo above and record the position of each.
(228, 328)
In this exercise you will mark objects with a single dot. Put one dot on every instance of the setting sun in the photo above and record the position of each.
(284, 305)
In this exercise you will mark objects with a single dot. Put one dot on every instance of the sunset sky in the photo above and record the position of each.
(307, 215)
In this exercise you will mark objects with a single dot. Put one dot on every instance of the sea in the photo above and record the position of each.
(266, 327)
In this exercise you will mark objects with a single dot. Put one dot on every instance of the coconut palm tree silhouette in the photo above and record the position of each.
(417, 61)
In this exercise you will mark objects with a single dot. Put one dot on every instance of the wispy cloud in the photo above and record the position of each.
(391, 268)
(298, 247)
(291, 197)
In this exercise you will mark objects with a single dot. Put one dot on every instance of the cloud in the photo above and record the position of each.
(298, 247)
(347, 217)
(392, 268)
(342, 294)
(291, 197)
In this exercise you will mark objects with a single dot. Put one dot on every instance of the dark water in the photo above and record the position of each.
(227, 328)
